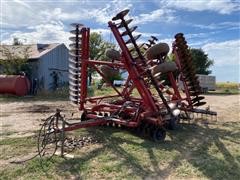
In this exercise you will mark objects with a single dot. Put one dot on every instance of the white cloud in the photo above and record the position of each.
(22, 3)
(198, 43)
(43, 33)
(199, 35)
(219, 6)
(197, 40)
(104, 32)
(47, 26)
(17, 14)
(104, 14)
(108, 35)
(155, 16)
(169, 41)
(146, 34)
(224, 53)
(222, 25)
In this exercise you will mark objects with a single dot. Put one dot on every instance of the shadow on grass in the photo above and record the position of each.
(191, 143)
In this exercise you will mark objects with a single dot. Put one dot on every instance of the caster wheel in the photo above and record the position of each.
(140, 129)
(84, 116)
(146, 130)
(158, 135)
(173, 124)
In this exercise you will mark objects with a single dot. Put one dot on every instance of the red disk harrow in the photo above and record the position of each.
(158, 108)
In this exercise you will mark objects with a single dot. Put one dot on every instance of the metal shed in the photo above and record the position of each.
(44, 59)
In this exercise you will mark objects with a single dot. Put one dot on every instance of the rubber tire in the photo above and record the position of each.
(172, 124)
(158, 135)
(160, 49)
(84, 116)
(139, 129)
(164, 67)
(112, 54)
(109, 71)
(146, 130)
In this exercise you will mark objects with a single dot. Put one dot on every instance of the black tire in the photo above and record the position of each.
(158, 135)
(139, 129)
(84, 116)
(173, 123)
(157, 50)
(113, 54)
(146, 130)
(164, 67)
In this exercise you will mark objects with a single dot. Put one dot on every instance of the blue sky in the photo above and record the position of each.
(213, 25)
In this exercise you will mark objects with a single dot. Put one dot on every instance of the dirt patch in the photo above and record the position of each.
(39, 108)
(18, 160)
(23, 118)
(227, 107)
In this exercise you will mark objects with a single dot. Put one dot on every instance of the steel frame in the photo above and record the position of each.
(151, 113)
(149, 109)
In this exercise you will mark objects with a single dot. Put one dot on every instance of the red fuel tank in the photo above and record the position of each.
(14, 84)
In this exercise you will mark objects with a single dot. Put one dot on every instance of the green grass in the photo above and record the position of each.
(192, 151)
(59, 95)
(104, 91)
(62, 93)
(11, 147)
(226, 88)
(227, 85)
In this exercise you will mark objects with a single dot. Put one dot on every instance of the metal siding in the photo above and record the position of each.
(57, 58)
(35, 70)
(207, 81)
(41, 73)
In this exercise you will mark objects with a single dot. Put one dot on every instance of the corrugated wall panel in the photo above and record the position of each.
(55, 59)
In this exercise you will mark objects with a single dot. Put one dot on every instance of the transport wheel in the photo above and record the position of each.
(173, 123)
(84, 116)
(146, 130)
(112, 72)
(160, 49)
(140, 129)
(112, 54)
(164, 67)
(158, 134)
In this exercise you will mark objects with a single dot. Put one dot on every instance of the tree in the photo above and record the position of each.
(95, 45)
(14, 64)
(98, 46)
(97, 49)
(201, 61)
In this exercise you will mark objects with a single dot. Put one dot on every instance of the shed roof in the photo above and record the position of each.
(34, 51)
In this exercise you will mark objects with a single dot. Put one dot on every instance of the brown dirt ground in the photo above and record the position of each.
(23, 118)
(18, 119)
